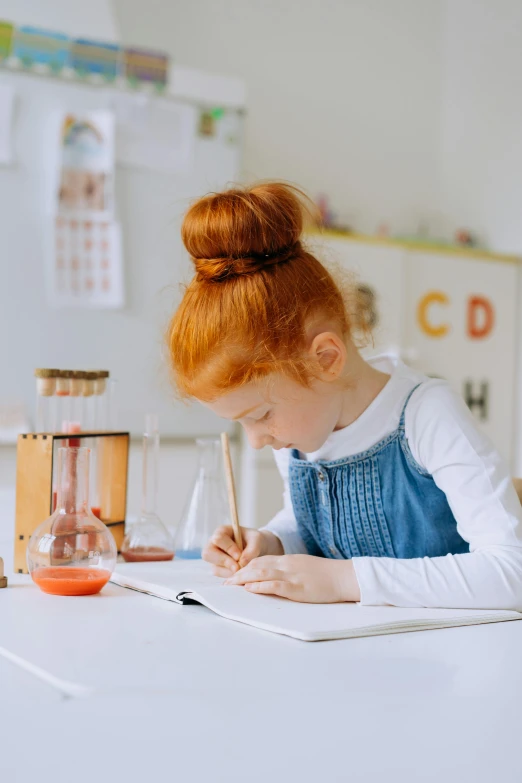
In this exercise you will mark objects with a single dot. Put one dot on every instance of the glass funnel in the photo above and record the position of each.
(72, 552)
(207, 507)
(148, 539)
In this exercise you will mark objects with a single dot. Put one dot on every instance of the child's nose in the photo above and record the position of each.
(257, 440)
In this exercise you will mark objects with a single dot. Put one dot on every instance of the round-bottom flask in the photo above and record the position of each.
(72, 552)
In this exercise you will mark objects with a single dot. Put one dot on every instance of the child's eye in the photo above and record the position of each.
(266, 416)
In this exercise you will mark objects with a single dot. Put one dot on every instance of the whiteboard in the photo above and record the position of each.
(150, 205)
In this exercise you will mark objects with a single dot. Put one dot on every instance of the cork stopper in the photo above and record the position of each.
(89, 383)
(45, 381)
(3, 579)
(62, 383)
(100, 383)
(77, 383)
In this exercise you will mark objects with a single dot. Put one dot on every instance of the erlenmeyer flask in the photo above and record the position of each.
(72, 552)
(207, 507)
(148, 539)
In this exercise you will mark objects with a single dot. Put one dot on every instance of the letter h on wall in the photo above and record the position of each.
(480, 402)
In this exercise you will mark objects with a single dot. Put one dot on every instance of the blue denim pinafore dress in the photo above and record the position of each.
(379, 503)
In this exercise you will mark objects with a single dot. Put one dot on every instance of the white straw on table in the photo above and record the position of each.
(231, 491)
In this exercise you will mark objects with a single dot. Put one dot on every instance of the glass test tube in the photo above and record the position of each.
(63, 400)
(62, 416)
(106, 469)
(76, 391)
(100, 422)
(45, 409)
(112, 404)
(89, 390)
(89, 401)
(100, 403)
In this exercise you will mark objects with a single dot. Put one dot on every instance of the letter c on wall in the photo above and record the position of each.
(429, 328)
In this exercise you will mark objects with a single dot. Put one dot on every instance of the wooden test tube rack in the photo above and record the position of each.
(35, 465)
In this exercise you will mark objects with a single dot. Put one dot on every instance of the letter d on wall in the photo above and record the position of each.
(429, 328)
(481, 317)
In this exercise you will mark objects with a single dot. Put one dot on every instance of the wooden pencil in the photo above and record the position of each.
(238, 538)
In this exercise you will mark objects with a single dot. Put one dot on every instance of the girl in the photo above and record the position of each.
(392, 495)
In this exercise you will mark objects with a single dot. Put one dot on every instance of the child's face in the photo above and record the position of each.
(281, 413)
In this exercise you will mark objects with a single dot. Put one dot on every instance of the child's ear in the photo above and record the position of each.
(330, 353)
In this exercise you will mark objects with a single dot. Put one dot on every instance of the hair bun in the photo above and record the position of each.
(242, 231)
(217, 269)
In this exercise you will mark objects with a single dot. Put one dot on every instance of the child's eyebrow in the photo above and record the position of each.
(248, 410)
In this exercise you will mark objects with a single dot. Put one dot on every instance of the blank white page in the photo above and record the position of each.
(308, 622)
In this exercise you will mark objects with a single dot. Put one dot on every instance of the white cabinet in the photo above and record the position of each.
(381, 268)
(451, 314)
(462, 325)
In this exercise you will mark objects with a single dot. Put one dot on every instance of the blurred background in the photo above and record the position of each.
(402, 119)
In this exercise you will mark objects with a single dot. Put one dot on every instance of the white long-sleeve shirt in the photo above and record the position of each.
(445, 441)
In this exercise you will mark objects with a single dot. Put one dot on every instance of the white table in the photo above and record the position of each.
(179, 694)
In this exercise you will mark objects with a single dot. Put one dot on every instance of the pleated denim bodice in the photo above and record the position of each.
(378, 503)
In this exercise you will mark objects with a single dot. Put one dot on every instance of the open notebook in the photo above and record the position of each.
(184, 581)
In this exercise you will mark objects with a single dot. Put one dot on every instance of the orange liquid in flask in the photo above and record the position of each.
(70, 581)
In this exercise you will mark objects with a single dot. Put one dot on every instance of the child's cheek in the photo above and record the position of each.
(287, 428)
(278, 429)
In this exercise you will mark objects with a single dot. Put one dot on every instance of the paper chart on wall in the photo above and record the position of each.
(7, 95)
(86, 163)
(86, 263)
(157, 135)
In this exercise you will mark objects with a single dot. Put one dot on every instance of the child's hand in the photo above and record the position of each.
(314, 580)
(223, 553)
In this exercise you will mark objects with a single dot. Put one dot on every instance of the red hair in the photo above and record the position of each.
(244, 314)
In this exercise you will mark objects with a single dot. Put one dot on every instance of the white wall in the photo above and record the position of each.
(401, 110)
(95, 18)
(404, 111)
(343, 95)
(178, 459)
(481, 130)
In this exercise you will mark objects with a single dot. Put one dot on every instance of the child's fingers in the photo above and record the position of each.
(250, 552)
(219, 558)
(223, 539)
(224, 573)
(274, 587)
(255, 573)
(247, 556)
